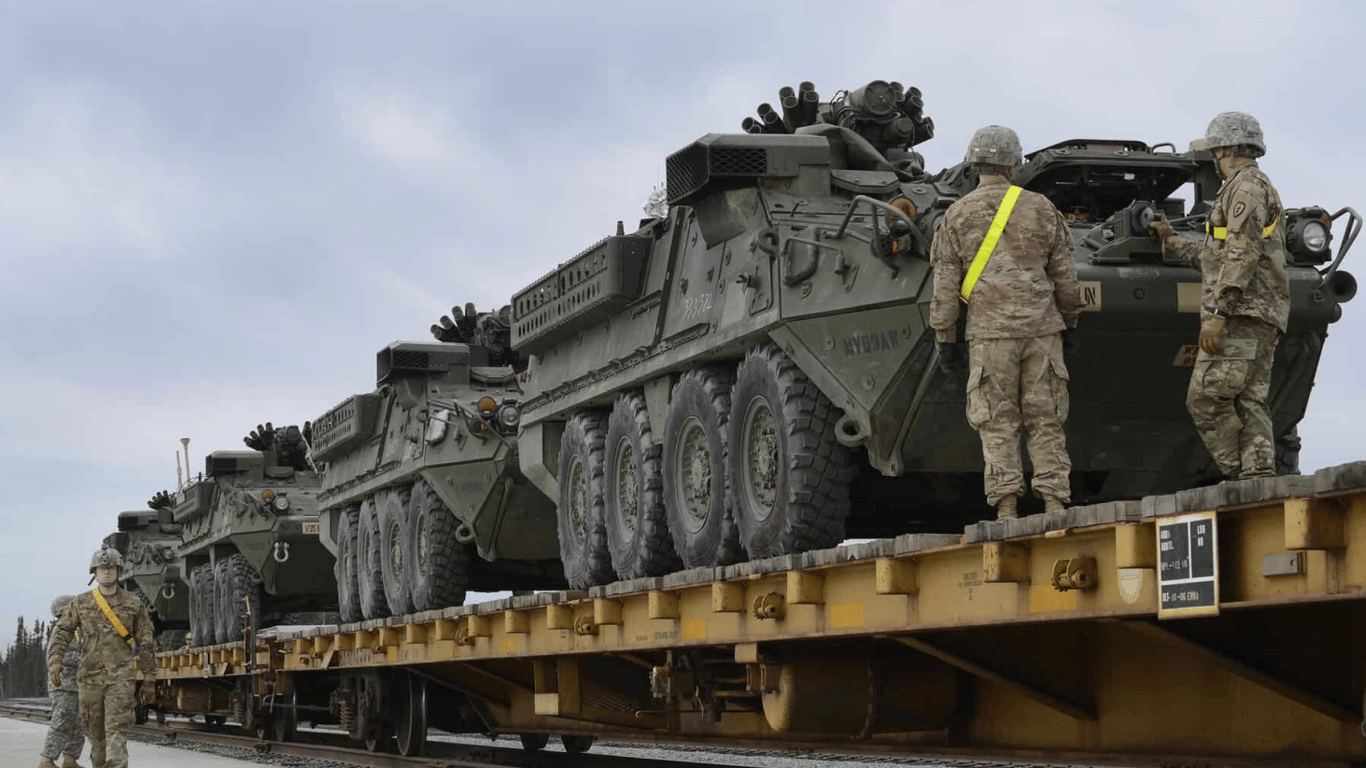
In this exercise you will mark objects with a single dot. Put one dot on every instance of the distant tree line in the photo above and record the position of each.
(23, 667)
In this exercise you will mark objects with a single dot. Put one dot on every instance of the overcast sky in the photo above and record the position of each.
(213, 214)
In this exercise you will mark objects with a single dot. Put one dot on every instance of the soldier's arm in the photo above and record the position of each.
(948, 279)
(62, 633)
(1248, 213)
(1062, 270)
(142, 635)
(1181, 251)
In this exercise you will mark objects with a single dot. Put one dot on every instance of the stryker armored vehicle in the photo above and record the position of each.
(148, 541)
(249, 539)
(751, 374)
(422, 498)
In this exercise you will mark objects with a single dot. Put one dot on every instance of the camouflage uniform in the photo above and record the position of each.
(64, 733)
(1244, 278)
(107, 698)
(1023, 300)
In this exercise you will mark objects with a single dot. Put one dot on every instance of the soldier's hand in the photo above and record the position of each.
(1070, 342)
(952, 356)
(1212, 334)
(54, 673)
(1159, 227)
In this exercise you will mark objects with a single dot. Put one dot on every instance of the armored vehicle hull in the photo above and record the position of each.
(422, 497)
(752, 373)
(249, 542)
(148, 541)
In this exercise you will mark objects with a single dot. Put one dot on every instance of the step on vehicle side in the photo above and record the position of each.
(707, 387)
(249, 539)
(422, 496)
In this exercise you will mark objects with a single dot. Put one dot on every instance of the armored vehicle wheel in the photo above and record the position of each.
(225, 612)
(439, 563)
(348, 591)
(695, 493)
(368, 578)
(533, 742)
(197, 606)
(243, 583)
(583, 537)
(633, 505)
(394, 562)
(789, 477)
(576, 744)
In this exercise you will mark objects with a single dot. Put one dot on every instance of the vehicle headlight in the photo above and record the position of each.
(1315, 236)
(508, 415)
(281, 503)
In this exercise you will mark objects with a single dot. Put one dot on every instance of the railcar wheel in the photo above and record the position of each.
(284, 720)
(439, 563)
(373, 604)
(696, 495)
(789, 475)
(533, 742)
(576, 744)
(638, 537)
(394, 565)
(583, 536)
(346, 571)
(242, 584)
(409, 694)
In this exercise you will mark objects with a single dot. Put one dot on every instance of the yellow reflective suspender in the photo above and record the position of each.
(998, 225)
(109, 614)
(1221, 233)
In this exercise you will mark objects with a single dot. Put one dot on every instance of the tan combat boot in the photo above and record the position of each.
(69, 761)
(44, 762)
(1052, 504)
(1005, 508)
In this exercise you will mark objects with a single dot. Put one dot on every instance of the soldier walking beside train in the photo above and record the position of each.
(1007, 254)
(65, 739)
(1245, 301)
(115, 627)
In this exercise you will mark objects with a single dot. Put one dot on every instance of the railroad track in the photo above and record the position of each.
(443, 751)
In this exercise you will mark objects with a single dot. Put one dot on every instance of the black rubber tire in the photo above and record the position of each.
(373, 604)
(224, 612)
(702, 394)
(439, 572)
(583, 544)
(394, 547)
(198, 601)
(640, 547)
(1288, 452)
(577, 744)
(534, 742)
(345, 570)
(243, 583)
(811, 487)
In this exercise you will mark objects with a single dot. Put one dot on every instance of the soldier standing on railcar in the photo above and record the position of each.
(1007, 254)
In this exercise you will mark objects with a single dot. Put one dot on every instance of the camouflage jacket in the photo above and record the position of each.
(105, 657)
(71, 660)
(1029, 286)
(1245, 273)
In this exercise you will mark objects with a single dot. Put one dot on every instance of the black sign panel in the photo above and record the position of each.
(1187, 566)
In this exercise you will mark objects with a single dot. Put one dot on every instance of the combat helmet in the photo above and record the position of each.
(107, 556)
(1232, 129)
(59, 605)
(994, 145)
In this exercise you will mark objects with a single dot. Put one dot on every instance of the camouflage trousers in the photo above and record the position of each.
(1227, 399)
(64, 733)
(108, 713)
(1019, 385)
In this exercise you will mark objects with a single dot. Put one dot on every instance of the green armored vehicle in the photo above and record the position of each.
(422, 498)
(751, 373)
(149, 541)
(249, 539)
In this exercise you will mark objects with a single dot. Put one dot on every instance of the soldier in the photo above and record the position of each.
(64, 734)
(1245, 298)
(1007, 254)
(110, 621)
